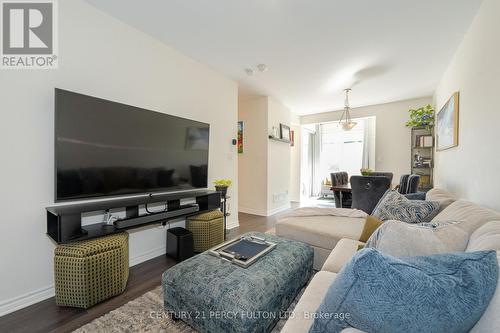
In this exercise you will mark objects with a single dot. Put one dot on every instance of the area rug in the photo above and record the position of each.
(145, 314)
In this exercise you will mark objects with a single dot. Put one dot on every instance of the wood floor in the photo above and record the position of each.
(47, 317)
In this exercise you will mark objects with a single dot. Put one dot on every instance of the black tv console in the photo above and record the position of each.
(64, 222)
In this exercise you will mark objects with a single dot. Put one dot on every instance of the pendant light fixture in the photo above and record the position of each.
(347, 124)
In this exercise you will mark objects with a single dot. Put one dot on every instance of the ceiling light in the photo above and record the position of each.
(249, 71)
(262, 68)
(348, 124)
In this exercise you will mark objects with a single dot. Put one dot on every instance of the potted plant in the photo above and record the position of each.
(366, 172)
(423, 116)
(221, 185)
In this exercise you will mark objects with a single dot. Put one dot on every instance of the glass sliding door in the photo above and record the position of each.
(326, 148)
(341, 150)
(307, 162)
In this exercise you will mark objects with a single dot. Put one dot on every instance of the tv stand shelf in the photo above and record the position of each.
(64, 222)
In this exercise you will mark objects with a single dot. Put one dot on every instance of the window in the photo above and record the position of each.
(341, 150)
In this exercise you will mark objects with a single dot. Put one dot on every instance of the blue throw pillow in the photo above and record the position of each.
(383, 294)
(395, 206)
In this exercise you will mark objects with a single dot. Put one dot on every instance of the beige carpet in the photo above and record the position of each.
(145, 314)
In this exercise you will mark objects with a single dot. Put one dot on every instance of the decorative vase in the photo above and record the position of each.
(222, 189)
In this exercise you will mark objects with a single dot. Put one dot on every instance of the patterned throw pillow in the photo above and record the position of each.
(394, 206)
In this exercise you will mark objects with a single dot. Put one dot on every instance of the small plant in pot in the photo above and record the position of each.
(423, 116)
(366, 172)
(221, 185)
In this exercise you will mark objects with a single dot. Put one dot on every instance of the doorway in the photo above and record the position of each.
(326, 148)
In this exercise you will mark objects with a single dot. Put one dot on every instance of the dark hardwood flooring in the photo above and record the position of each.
(45, 316)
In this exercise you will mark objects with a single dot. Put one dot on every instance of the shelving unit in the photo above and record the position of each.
(278, 139)
(424, 168)
(64, 222)
(224, 198)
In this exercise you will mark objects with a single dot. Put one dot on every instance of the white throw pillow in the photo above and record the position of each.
(401, 239)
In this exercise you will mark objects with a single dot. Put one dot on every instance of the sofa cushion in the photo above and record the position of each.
(341, 254)
(472, 215)
(400, 239)
(439, 293)
(371, 224)
(444, 197)
(490, 320)
(486, 237)
(320, 256)
(395, 206)
(300, 321)
(320, 231)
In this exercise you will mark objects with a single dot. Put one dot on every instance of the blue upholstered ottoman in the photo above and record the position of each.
(213, 295)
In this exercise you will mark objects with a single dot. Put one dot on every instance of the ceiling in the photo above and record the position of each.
(386, 50)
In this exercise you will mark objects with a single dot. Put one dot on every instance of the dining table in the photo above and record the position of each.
(341, 188)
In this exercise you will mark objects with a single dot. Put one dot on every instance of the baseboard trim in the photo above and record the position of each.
(232, 225)
(264, 213)
(148, 255)
(278, 209)
(252, 211)
(20, 302)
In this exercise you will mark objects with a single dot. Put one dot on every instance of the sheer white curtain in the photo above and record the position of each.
(306, 164)
(317, 175)
(341, 150)
(326, 148)
(311, 175)
(369, 143)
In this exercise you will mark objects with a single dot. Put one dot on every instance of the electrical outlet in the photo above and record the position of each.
(280, 197)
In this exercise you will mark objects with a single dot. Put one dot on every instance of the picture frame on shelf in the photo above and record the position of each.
(424, 141)
(427, 141)
(284, 132)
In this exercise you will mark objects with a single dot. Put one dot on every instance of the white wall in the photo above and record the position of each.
(295, 156)
(392, 146)
(100, 56)
(264, 166)
(469, 170)
(278, 161)
(252, 163)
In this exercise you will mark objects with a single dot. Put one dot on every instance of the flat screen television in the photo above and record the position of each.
(104, 148)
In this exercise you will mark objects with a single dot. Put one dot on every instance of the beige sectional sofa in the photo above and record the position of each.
(483, 226)
(321, 232)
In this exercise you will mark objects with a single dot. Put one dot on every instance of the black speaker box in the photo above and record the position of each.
(179, 243)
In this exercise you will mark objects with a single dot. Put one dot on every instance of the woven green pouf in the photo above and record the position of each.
(88, 272)
(207, 229)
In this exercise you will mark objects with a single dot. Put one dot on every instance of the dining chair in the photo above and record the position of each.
(389, 175)
(367, 191)
(341, 178)
(408, 184)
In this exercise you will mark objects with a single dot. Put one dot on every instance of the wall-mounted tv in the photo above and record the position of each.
(104, 148)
